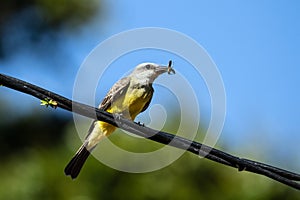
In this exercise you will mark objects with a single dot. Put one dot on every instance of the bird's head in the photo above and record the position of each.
(150, 71)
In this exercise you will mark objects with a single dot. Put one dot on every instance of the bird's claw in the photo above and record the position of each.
(118, 116)
(140, 124)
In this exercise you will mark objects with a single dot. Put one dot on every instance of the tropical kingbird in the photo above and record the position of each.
(128, 97)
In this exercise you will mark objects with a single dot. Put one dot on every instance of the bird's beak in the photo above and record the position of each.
(163, 69)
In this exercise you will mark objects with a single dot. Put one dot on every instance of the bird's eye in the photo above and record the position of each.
(148, 66)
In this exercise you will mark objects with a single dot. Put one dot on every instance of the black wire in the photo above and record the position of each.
(275, 173)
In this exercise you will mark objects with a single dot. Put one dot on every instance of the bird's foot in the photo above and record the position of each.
(140, 123)
(118, 116)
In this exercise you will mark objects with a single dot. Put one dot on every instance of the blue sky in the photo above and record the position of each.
(255, 45)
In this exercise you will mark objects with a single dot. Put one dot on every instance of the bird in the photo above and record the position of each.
(127, 98)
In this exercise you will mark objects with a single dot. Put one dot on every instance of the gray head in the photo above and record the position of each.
(148, 72)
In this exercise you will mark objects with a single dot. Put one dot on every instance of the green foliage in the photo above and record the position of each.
(68, 12)
(51, 12)
(36, 170)
(29, 22)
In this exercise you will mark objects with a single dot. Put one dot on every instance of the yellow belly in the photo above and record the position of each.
(129, 106)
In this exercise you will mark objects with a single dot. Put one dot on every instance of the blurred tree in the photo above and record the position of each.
(31, 131)
(32, 20)
(35, 149)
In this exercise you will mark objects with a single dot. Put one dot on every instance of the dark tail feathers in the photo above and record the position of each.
(74, 166)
